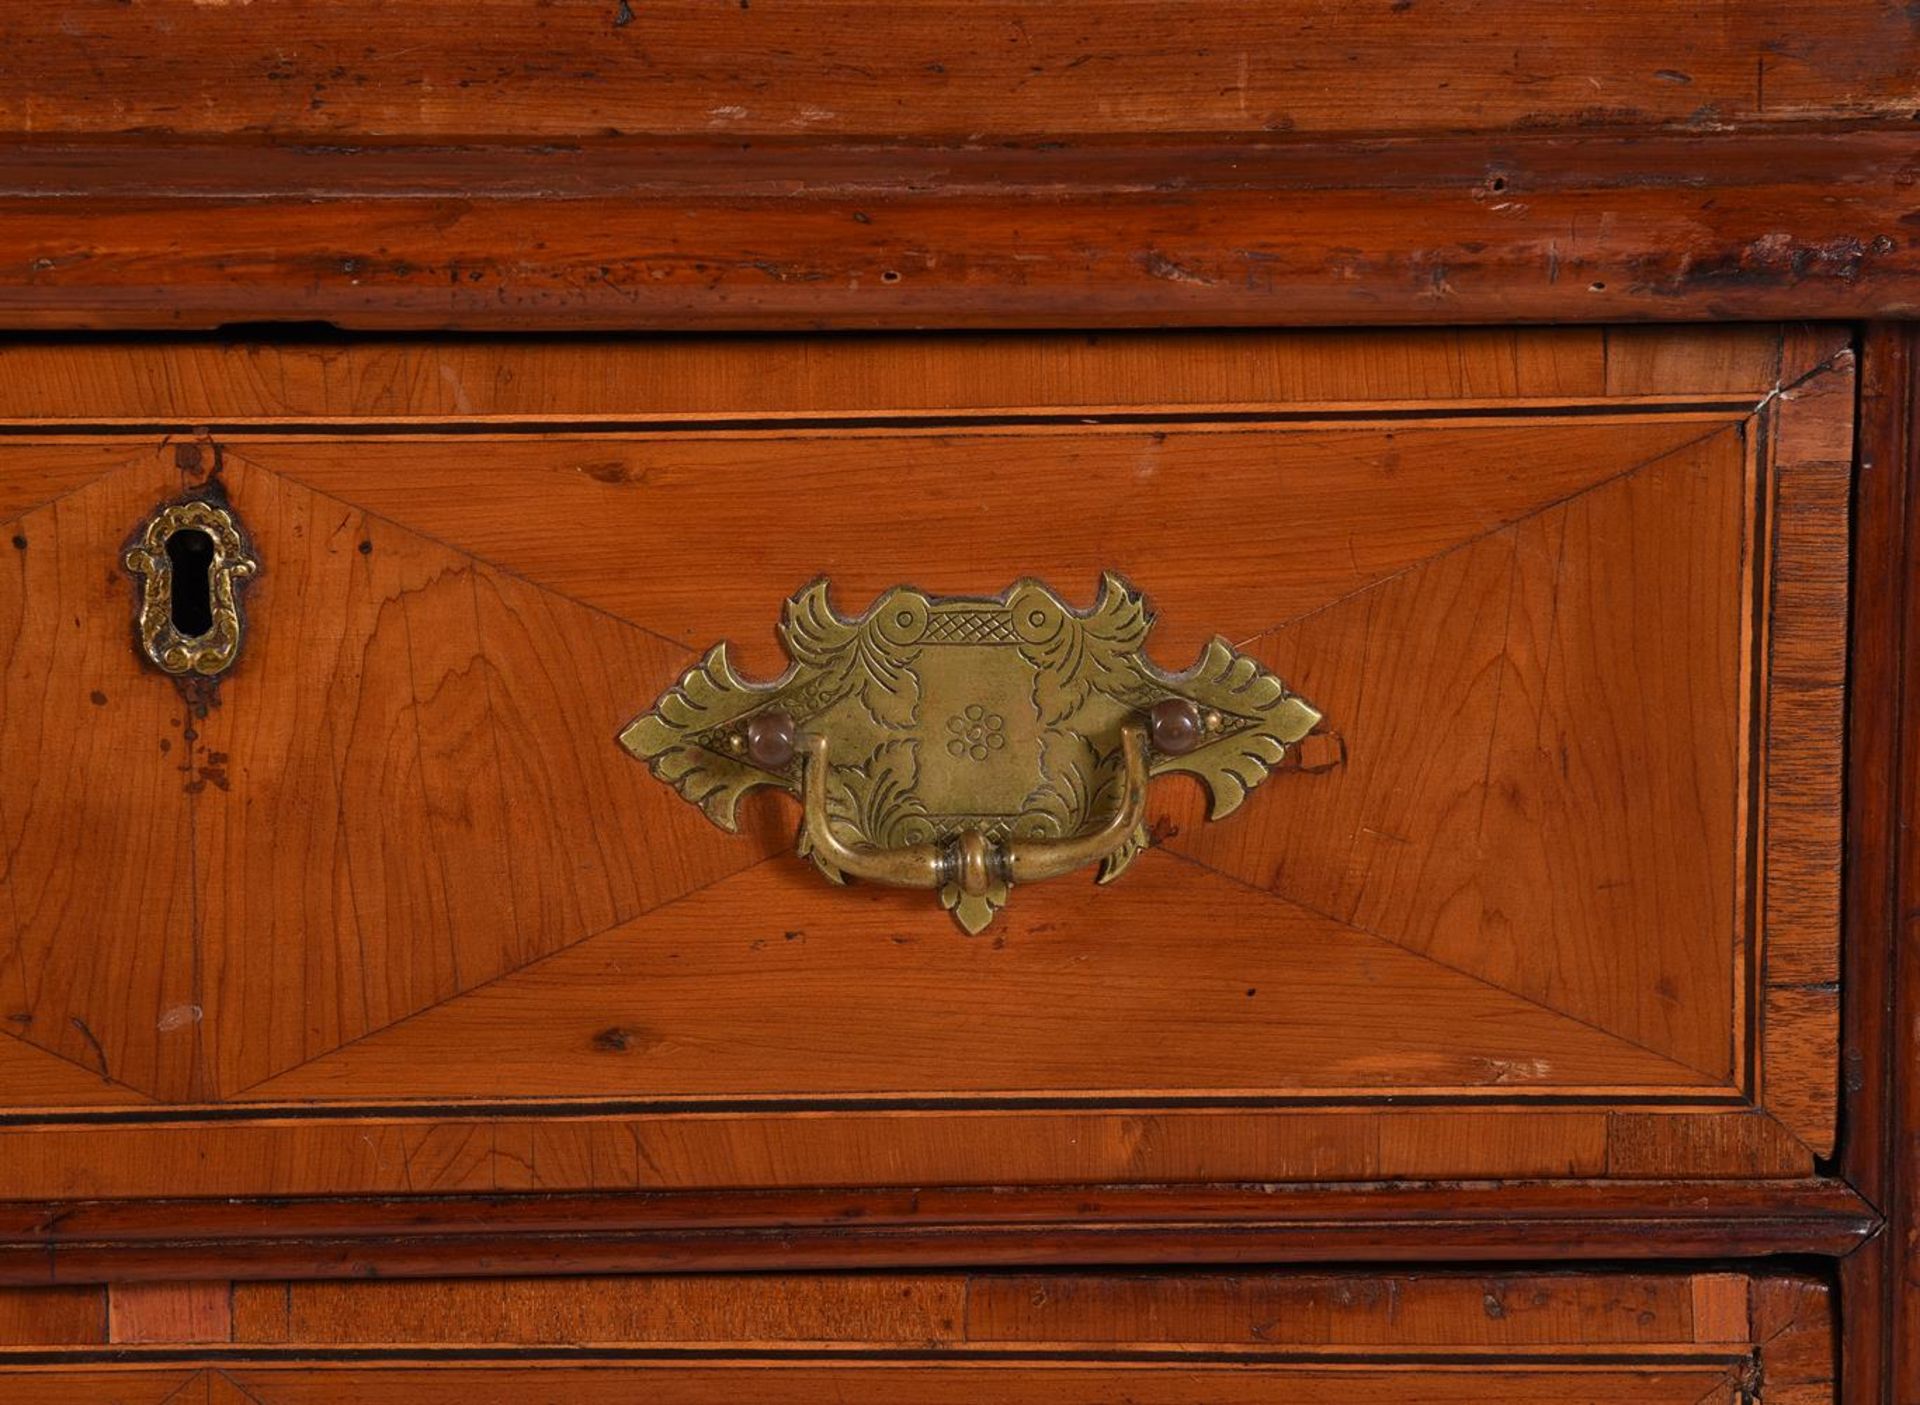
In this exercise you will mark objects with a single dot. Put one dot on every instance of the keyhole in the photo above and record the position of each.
(191, 552)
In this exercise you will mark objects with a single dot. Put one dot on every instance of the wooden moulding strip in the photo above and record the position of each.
(529, 1234)
(693, 234)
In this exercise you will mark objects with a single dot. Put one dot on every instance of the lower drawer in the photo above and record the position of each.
(1061, 1338)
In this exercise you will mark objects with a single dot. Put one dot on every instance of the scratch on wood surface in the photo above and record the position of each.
(1161, 266)
(98, 1051)
(179, 1016)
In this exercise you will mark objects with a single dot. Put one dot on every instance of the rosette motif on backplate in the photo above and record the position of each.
(965, 745)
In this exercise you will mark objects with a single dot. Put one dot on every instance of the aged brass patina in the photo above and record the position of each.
(966, 745)
(198, 635)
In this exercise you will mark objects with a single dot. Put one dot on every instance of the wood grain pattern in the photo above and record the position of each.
(356, 67)
(101, 965)
(714, 236)
(1705, 1383)
(1156, 990)
(1554, 1222)
(50, 472)
(1266, 1311)
(1793, 1330)
(1686, 1144)
(1351, 1310)
(40, 1078)
(1605, 956)
(1210, 519)
(569, 380)
(1650, 361)
(466, 1152)
(107, 1386)
(1900, 973)
(1881, 1284)
(169, 1312)
(901, 1310)
(431, 740)
(1812, 447)
(1540, 738)
(53, 1316)
(1349, 1336)
(445, 938)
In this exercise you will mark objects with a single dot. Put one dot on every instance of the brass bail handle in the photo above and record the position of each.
(971, 861)
(965, 743)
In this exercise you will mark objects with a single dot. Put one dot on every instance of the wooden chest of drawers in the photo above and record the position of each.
(1105, 701)
(1552, 889)
(382, 908)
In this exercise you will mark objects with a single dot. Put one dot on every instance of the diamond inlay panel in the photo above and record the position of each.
(407, 786)
(1541, 741)
(98, 964)
(1174, 981)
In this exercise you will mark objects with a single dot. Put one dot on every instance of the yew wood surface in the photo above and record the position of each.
(100, 967)
(714, 234)
(169, 1312)
(410, 870)
(1711, 1381)
(794, 164)
(309, 69)
(1160, 505)
(1880, 1284)
(1896, 965)
(1214, 514)
(1177, 1336)
(1553, 1222)
(383, 1150)
(597, 378)
(586, 378)
(74, 1316)
(1648, 161)
(988, 1309)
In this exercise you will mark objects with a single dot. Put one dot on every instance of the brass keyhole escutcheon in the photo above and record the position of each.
(190, 558)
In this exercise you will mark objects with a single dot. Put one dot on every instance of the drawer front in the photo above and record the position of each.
(384, 907)
(1345, 1338)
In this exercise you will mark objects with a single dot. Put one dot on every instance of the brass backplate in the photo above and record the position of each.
(946, 714)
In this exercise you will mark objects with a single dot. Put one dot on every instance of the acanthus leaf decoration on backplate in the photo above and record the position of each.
(966, 741)
(1260, 719)
(685, 738)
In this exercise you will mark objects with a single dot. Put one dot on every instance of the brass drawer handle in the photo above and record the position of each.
(969, 744)
(971, 863)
